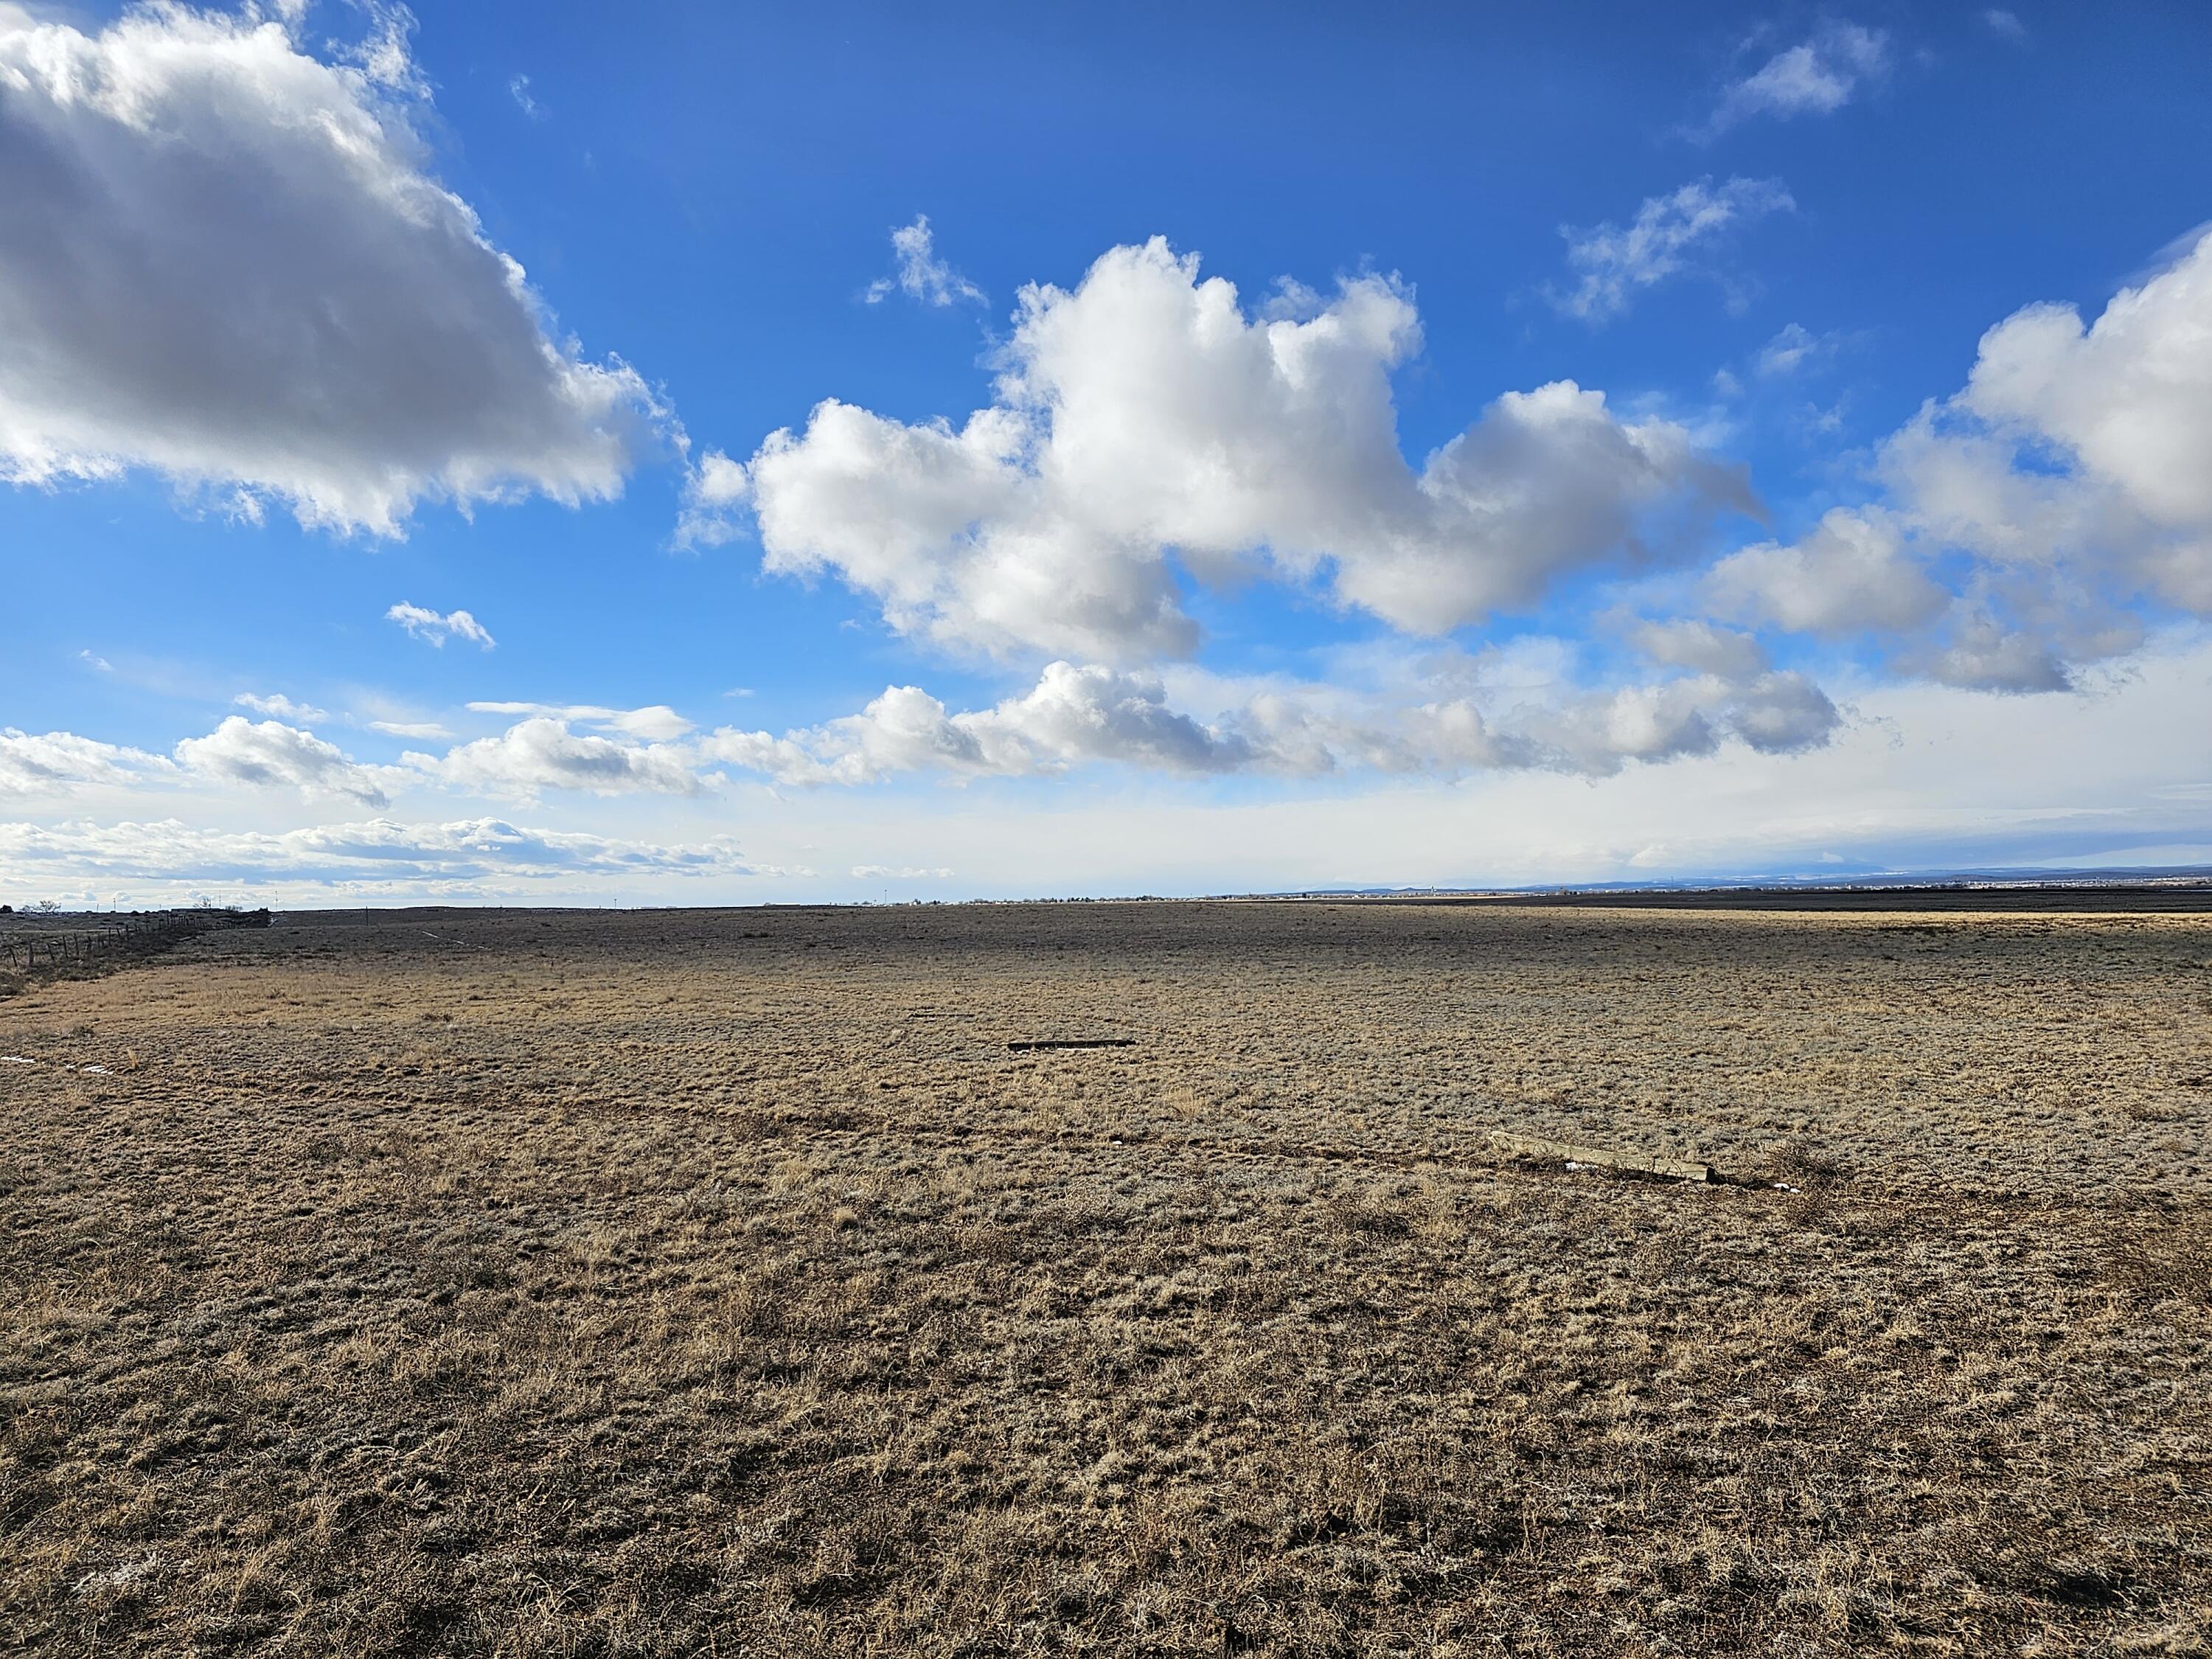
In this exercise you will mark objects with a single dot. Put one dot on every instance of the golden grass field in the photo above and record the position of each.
(718, 1283)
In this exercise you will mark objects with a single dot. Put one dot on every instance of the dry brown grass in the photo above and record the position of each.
(505, 1283)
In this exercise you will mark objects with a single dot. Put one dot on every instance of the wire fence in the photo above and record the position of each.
(28, 950)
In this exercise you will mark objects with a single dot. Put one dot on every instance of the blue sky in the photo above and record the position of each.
(1440, 445)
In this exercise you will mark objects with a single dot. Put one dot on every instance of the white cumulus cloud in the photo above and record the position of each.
(1074, 714)
(56, 762)
(225, 260)
(1852, 574)
(2128, 397)
(1144, 416)
(2046, 517)
(1082, 715)
(542, 753)
(268, 754)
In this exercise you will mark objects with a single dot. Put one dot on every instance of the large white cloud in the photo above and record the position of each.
(58, 763)
(2128, 401)
(1072, 715)
(542, 753)
(1144, 416)
(2042, 519)
(268, 754)
(225, 260)
(262, 755)
(2130, 396)
(2124, 405)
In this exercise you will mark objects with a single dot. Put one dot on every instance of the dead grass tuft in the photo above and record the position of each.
(1799, 1165)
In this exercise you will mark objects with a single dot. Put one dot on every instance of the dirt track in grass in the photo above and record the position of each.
(521, 1283)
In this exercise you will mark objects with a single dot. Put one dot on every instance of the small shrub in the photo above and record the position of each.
(1797, 1165)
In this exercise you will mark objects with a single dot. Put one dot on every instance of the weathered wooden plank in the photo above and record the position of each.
(1675, 1169)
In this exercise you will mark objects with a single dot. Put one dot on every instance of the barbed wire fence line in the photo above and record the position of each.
(34, 950)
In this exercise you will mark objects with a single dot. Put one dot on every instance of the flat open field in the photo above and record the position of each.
(692, 1283)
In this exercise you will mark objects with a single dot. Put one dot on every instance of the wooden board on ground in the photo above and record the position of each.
(1640, 1162)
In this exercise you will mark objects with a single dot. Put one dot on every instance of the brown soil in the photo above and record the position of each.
(692, 1283)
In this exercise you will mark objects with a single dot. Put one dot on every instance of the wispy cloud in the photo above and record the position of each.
(714, 494)
(1670, 234)
(1817, 76)
(655, 723)
(280, 706)
(1794, 348)
(434, 628)
(920, 274)
(373, 854)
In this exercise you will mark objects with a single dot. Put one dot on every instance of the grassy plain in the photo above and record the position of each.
(519, 1283)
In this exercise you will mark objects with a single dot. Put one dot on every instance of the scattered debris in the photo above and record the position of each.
(1072, 1042)
(16, 1060)
(117, 1577)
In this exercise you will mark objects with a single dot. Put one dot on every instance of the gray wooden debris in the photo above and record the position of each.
(1675, 1169)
